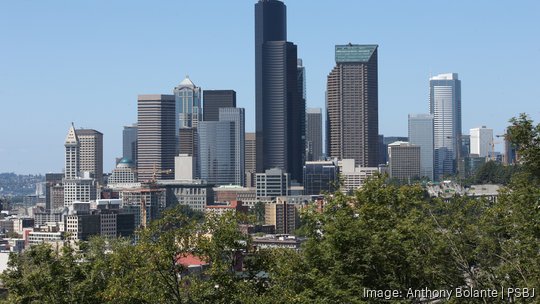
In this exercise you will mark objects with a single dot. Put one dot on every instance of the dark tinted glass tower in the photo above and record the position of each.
(280, 111)
(216, 99)
(352, 105)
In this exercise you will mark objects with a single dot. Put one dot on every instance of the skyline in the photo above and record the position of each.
(106, 64)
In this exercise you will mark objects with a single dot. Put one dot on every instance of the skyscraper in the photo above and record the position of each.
(221, 148)
(91, 152)
(352, 105)
(216, 99)
(313, 134)
(188, 115)
(445, 106)
(129, 142)
(156, 136)
(404, 160)
(280, 110)
(188, 104)
(76, 186)
(481, 141)
(72, 157)
(250, 160)
(238, 117)
(421, 134)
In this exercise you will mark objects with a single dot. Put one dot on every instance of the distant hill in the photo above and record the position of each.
(12, 184)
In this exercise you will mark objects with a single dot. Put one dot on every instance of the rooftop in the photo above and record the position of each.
(348, 53)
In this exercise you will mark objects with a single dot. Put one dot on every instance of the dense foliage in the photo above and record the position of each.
(384, 237)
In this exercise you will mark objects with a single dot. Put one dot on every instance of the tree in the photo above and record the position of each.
(525, 136)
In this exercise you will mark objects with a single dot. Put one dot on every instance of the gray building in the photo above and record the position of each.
(445, 106)
(273, 183)
(216, 99)
(352, 105)
(404, 160)
(221, 148)
(156, 136)
(314, 149)
(129, 142)
(421, 134)
(280, 110)
(250, 160)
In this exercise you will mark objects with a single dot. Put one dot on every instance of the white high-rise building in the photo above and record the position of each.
(445, 106)
(421, 134)
(481, 141)
(76, 186)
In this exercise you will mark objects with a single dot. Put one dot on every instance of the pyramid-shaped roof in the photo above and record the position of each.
(71, 138)
(187, 83)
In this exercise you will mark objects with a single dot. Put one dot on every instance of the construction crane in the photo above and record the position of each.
(152, 182)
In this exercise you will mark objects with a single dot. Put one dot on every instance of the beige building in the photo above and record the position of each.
(91, 152)
(404, 160)
(282, 215)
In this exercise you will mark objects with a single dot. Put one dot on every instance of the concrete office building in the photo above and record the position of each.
(421, 134)
(481, 141)
(354, 177)
(404, 160)
(123, 174)
(156, 136)
(314, 145)
(445, 106)
(77, 186)
(352, 105)
(129, 142)
(250, 159)
(54, 191)
(196, 194)
(91, 152)
(273, 183)
(184, 167)
(216, 99)
(280, 110)
(282, 215)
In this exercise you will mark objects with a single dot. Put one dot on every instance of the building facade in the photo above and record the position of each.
(221, 148)
(320, 177)
(91, 152)
(445, 106)
(250, 159)
(216, 99)
(404, 161)
(280, 110)
(481, 141)
(314, 144)
(129, 142)
(273, 183)
(156, 137)
(352, 105)
(421, 134)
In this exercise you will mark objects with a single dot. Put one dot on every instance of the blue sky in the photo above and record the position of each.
(86, 61)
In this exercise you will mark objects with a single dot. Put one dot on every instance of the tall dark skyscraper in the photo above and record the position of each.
(156, 136)
(352, 105)
(216, 99)
(313, 134)
(280, 108)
